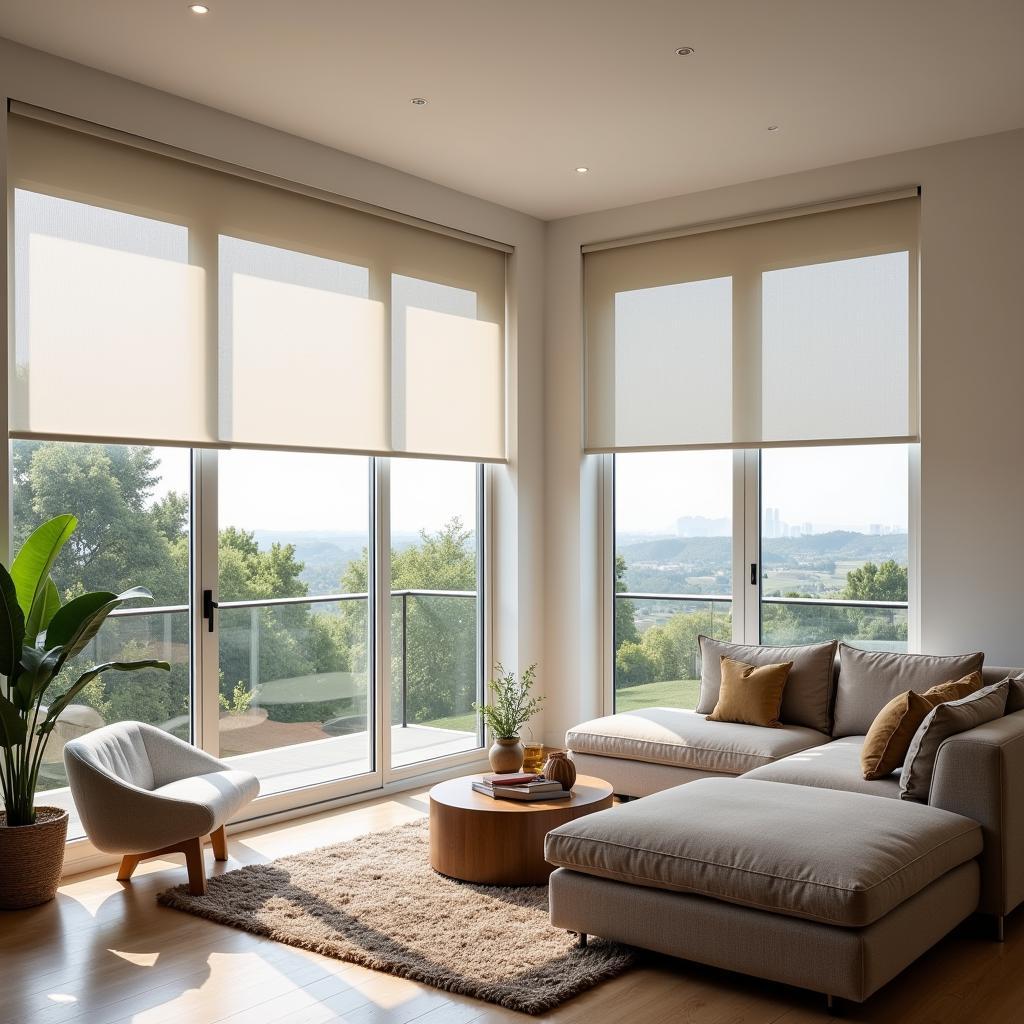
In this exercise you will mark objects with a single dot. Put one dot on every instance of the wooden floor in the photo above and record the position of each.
(103, 952)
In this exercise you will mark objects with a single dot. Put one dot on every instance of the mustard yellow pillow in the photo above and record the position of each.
(957, 689)
(888, 740)
(749, 694)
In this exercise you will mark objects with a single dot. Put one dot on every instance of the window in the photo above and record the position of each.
(673, 572)
(834, 545)
(258, 366)
(436, 613)
(134, 510)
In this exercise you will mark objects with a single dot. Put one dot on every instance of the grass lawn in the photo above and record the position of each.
(672, 693)
(460, 723)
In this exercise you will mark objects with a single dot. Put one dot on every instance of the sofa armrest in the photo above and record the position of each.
(980, 774)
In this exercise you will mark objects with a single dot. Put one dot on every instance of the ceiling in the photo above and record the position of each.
(521, 92)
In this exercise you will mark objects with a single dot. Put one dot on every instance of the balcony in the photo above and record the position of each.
(667, 673)
(296, 691)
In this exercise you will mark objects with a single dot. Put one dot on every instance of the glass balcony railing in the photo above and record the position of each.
(294, 671)
(657, 657)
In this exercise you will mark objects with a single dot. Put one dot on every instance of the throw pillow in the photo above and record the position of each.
(947, 720)
(808, 689)
(750, 694)
(868, 680)
(888, 739)
(1015, 701)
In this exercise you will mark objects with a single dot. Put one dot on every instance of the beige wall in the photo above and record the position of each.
(517, 525)
(971, 551)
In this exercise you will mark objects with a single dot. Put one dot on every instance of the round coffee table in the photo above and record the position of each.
(476, 838)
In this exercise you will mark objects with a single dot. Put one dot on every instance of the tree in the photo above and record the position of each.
(885, 582)
(625, 610)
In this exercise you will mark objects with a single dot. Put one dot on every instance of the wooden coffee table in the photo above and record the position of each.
(476, 838)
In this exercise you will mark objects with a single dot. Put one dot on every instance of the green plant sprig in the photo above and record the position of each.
(511, 706)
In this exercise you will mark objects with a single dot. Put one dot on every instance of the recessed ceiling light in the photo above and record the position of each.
(773, 127)
(199, 8)
(582, 170)
(684, 51)
(418, 101)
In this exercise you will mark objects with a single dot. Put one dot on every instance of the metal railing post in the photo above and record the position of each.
(254, 649)
(405, 660)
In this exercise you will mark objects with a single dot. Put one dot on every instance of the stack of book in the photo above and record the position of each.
(521, 786)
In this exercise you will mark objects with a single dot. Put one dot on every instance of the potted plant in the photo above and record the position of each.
(511, 707)
(39, 638)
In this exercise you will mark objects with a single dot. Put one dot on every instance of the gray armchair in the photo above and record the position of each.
(142, 792)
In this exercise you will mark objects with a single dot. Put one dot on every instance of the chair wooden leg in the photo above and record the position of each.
(193, 850)
(129, 862)
(219, 840)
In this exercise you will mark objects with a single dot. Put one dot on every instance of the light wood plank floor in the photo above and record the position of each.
(104, 953)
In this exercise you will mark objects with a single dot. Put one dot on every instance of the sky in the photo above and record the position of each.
(295, 491)
(849, 487)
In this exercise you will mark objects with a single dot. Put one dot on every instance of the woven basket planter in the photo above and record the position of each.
(32, 857)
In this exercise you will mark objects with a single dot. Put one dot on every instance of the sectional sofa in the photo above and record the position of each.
(764, 850)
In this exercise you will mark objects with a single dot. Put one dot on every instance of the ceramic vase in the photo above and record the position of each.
(506, 755)
(558, 768)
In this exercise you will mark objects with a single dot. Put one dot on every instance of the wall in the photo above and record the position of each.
(46, 81)
(971, 555)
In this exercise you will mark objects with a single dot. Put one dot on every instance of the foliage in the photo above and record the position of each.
(625, 620)
(39, 641)
(511, 705)
(885, 582)
(240, 701)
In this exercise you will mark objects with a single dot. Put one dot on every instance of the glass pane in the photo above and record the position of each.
(434, 608)
(673, 572)
(834, 545)
(294, 624)
(133, 510)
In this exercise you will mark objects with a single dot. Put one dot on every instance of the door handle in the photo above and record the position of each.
(208, 606)
(753, 576)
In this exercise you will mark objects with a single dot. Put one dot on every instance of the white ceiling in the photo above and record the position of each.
(523, 91)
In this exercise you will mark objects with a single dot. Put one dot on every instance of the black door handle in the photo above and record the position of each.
(753, 576)
(208, 605)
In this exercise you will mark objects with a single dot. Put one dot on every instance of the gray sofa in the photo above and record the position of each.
(780, 860)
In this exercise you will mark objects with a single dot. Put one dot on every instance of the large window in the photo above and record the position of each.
(822, 535)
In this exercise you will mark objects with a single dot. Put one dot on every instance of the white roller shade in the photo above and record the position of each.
(227, 311)
(799, 330)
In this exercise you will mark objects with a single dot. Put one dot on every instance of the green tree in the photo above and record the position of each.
(885, 582)
(625, 610)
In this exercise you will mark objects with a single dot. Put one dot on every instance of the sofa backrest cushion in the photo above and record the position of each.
(805, 700)
(868, 680)
(945, 720)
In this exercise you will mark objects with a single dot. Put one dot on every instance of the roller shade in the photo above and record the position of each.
(796, 330)
(198, 307)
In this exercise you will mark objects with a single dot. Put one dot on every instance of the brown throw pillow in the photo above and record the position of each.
(954, 690)
(888, 740)
(751, 694)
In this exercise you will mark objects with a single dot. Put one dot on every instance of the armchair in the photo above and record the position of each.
(142, 793)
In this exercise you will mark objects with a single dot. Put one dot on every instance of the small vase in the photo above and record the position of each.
(506, 755)
(558, 768)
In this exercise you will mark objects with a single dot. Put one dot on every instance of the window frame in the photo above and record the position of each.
(746, 552)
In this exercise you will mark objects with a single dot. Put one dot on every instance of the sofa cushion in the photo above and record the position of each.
(687, 740)
(840, 858)
(834, 765)
(750, 694)
(944, 721)
(888, 739)
(808, 689)
(868, 680)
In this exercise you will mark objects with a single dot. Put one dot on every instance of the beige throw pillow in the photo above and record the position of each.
(947, 720)
(750, 694)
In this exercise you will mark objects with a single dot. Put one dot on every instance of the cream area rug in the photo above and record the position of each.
(375, 901)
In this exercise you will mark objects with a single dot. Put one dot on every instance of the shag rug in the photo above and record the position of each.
(375, 901)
